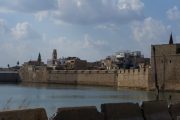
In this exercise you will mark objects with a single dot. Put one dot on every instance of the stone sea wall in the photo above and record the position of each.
(133, 78)
(83, 77)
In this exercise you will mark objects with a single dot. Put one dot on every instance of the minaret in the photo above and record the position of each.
(54, 57)
(171, 40)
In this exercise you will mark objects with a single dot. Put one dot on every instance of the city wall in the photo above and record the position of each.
(83, 77)
(135, 78)
(132, 78)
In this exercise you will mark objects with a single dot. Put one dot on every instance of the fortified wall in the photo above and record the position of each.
(40, 74)
(133, 78)
(83, 77)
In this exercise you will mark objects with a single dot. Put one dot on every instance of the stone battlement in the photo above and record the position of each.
(82, 71)
(133, 71)
(135, 78)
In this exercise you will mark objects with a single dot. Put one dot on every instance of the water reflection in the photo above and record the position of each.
(52, 97)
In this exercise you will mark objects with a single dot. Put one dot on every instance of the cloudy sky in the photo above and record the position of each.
(89, 29)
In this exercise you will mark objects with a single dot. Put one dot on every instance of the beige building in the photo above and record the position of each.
(165, 60)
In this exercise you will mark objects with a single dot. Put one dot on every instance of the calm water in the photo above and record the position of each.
(52, 97)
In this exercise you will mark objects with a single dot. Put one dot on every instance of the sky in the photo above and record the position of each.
(88, 29)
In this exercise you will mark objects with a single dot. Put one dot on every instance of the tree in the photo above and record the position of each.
(17, 63)
(39, 58)
(8, 65)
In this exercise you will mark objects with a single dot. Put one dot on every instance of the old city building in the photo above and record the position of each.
(165, 60)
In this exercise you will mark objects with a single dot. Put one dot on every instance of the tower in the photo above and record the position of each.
(165, 64)
(54, 57)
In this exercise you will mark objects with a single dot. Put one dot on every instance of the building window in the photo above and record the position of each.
(170, 61)
(162, 61)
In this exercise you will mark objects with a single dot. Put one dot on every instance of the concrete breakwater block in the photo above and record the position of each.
(121, 111)
(156, 110)
(78, 113)
(175, 111)
(27, 114)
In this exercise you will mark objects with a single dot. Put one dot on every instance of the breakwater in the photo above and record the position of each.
(149, 110)
(134, 78)
(9, 77)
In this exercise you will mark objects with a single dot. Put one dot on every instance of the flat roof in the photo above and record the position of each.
(166, 44)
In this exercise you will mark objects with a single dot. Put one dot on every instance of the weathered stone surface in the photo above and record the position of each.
(121, 111)
(175, 111)
(156, 110)
(78, 113)
(28, 114)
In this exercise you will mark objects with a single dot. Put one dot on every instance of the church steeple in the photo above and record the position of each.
(171, 40)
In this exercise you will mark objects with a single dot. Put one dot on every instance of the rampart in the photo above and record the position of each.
(83, 77)
(135, 78)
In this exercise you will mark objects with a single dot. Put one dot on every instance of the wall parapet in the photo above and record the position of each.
(134, 71)
(82, 71)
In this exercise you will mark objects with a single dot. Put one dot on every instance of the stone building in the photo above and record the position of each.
(165, 60)
(74, 63)
(125, 60)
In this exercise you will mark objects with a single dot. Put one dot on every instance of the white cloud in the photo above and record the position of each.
(13, 49)
(149, 30)
(5, 10)
(30, 6)
(87, 48)
(110, 27)
(135, 5)
(79, 11)
(24, 31)
(99, 11)
(41, 15)
(173, 13)
(3, 27)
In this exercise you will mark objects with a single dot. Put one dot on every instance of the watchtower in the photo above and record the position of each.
(165, 62)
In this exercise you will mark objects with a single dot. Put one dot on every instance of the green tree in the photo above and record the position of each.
(17, 63)
(39, 58)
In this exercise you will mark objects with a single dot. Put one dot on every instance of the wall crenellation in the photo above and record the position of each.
(134, 71)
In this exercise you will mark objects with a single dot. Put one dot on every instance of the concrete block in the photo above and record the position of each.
(27, 114)
(156, 110)
(175, 111)
(121, 111)
(78, 113)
